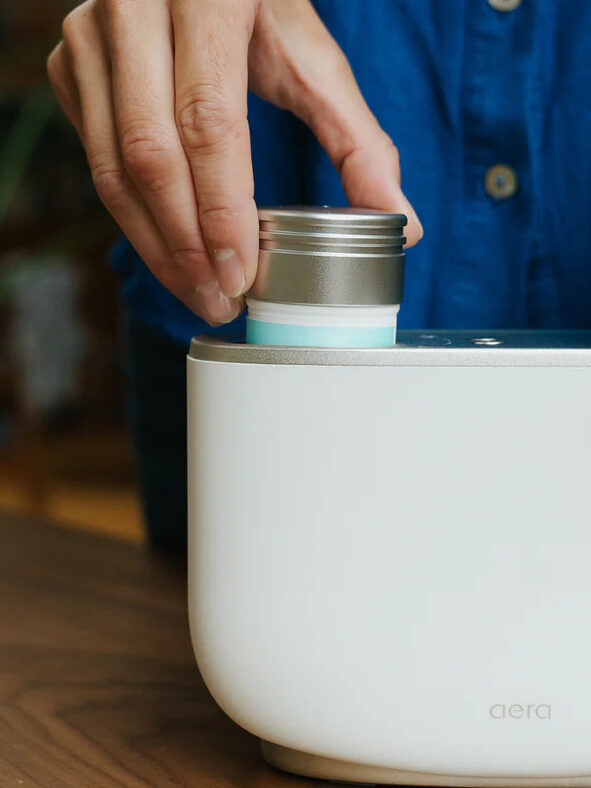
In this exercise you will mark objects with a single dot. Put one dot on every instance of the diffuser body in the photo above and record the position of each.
(390, 552)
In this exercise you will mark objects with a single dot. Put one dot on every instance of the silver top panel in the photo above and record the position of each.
(330, 256)
(420, 348)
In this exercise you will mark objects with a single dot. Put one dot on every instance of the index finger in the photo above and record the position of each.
(211, 81)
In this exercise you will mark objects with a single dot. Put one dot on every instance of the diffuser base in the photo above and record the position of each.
(307, 765)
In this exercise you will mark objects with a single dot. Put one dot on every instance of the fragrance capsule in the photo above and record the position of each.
(327, 277)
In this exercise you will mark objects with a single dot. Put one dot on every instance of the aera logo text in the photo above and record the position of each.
(518, 711)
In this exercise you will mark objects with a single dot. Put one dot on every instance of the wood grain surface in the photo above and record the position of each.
(98, 684)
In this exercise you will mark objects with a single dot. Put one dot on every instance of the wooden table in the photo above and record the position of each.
(98, 684)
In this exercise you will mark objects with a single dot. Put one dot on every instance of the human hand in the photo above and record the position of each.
(157, 91)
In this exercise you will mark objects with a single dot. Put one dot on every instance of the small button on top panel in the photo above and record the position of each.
(487, 341)
(432, 340)
(501, 182)
(504, 5)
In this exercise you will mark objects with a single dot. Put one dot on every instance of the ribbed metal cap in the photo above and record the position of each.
(337, 256)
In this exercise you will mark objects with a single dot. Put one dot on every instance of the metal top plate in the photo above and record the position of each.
(328, 217)
(420, 348)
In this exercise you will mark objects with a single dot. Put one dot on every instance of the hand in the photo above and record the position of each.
(157, 92)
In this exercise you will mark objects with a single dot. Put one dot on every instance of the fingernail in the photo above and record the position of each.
(216, 307)
(230, 272)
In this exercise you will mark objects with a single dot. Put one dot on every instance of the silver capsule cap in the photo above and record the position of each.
(330, 256)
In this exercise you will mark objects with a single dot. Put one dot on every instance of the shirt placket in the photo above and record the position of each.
(488, 274)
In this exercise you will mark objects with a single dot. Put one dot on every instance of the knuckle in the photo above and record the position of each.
(390, 147)
(193, 260)
(213, 217)
(395, 152)
(71, 29)
(110, 182)
(79, 29)
(337, 61)
(146, 155)
(54, 67)
(205, 120)
(221, 214)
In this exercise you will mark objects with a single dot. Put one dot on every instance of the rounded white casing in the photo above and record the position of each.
(389, 563)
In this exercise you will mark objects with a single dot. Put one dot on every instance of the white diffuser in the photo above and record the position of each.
(390, 555)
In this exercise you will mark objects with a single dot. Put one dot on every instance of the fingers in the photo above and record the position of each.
(211, 52)
(141, 54)
(314, 80)
(189, 277)
(91, 72)
(165, 128)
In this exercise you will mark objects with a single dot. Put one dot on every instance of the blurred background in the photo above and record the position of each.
(64, 446)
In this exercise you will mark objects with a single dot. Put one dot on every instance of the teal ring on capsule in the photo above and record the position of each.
(260, 332)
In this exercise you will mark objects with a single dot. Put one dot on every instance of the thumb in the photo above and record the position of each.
(312, 77)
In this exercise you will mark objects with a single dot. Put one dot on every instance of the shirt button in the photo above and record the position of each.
(501, 182)
(504, 5)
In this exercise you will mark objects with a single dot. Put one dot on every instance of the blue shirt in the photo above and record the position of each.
(460, 87)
